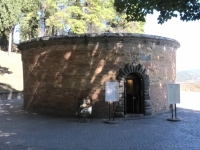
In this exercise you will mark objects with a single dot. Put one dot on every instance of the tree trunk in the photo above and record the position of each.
(53, 31)
(3, 42)
(10, 43)
(11, 32)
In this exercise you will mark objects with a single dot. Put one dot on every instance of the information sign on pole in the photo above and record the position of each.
(173, 93)
(112, 92)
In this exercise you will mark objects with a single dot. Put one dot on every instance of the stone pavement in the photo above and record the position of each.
(20, 130)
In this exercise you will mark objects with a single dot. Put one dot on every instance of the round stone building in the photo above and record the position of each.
(59, 70)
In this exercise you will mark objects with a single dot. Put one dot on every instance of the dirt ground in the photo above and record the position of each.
(11, 74)
(193, 87)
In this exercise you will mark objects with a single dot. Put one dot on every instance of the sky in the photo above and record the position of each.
(186, 33)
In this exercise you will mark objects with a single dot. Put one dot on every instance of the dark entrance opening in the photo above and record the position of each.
(134, 101)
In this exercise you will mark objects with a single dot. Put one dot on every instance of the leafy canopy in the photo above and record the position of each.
(86, 16)
(29, 21)
(64, 17)
(10, 12)
(136, 10)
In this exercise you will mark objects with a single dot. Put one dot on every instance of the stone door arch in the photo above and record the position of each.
(122, 74)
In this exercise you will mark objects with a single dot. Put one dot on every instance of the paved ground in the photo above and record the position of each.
(20, 130)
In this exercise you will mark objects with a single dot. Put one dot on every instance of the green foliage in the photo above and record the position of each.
(29, 22)
(3, 42)
(10, 13)
(50, 9)
(62, 16)
(136, 10)
(89, 16)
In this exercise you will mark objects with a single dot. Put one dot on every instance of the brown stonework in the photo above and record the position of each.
(59, 70)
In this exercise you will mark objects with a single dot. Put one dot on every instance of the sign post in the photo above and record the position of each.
(173, 97)
(111, 96)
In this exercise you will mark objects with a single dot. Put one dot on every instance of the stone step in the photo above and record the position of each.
(134, 115)
(119, 109)
(148, 111)
(119, 114)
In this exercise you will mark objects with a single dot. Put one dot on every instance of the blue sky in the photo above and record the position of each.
(186, 33)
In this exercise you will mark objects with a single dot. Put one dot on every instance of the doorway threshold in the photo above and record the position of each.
(133, 115)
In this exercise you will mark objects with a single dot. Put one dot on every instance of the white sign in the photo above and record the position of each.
(173, 95)
(112, 91)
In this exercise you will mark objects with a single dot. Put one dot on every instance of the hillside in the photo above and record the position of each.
(11, 75)
(194, 87)
(192, 76)
(189, 80)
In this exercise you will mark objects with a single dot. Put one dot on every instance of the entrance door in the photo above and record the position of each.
(133, 94)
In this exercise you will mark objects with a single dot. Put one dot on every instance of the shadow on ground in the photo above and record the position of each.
(4, 70)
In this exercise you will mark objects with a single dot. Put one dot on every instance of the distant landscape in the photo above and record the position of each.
(189, 80)
(11, 75)
(192, 76)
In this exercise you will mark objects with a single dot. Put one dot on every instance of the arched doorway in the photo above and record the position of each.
(133, 94)
(136, 73)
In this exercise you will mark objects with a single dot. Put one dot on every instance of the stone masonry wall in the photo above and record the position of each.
(162, 71)
(59, 70)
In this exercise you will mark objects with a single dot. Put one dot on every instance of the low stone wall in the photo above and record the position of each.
(11, 95)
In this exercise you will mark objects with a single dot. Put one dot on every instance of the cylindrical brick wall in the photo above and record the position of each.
(59, 70)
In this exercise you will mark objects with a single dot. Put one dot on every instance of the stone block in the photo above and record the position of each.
(119, 114)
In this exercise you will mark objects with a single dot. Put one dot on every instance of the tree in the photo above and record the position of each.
(119, 24)
(136, 10)
(86, 16)
(10, 12)
(3, 41)
(50, 10)
(64, 17)
(29, 22)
